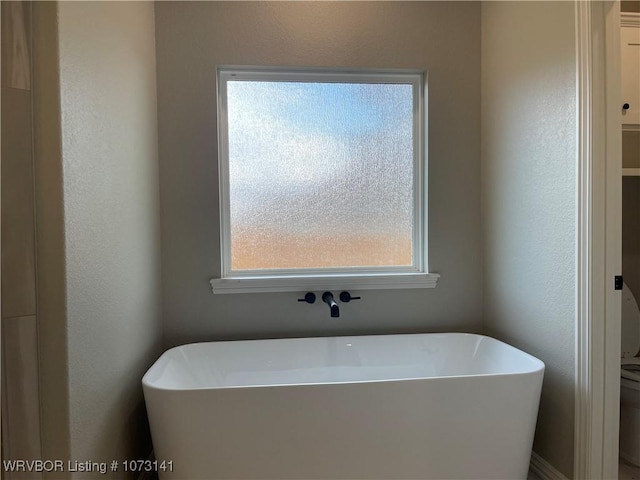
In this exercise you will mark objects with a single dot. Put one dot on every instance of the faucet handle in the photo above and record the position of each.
(346, 297)
(309, 297)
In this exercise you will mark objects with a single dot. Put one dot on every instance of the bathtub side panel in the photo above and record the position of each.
(446, 428)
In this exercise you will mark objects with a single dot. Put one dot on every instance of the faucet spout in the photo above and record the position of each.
(327, 297)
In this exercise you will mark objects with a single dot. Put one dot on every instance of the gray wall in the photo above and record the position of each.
(193, 37)
(97, 193)
(98, 217)
(529, 201)
(20, 403)
(51, 281)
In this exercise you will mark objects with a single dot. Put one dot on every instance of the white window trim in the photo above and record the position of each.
(289, 280)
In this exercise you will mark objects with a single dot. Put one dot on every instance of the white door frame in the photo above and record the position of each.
(599, 240)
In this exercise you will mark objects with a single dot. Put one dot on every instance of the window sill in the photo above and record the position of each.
(314, 283)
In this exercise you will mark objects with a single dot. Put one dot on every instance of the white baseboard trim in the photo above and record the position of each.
(544, 469)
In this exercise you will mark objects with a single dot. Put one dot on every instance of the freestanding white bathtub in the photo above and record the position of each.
(424, 406)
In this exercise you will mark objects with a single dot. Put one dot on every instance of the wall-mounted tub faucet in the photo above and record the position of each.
(327, 297)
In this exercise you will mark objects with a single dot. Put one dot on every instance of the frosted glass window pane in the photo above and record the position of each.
(320, 174)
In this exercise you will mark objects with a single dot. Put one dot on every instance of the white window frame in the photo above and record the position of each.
(346, 278)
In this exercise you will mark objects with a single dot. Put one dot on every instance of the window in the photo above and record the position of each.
(322, 179)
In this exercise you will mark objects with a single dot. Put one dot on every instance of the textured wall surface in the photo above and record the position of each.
(193, 38)
(111, 228)
(528, 191)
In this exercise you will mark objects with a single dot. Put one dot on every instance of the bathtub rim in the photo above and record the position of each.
(539, 368)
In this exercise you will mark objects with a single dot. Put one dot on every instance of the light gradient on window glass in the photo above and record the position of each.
(320, 174)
